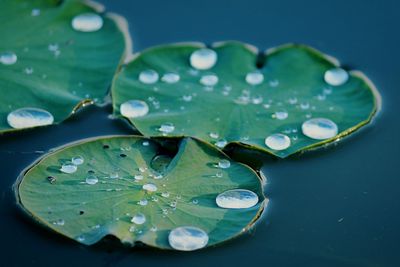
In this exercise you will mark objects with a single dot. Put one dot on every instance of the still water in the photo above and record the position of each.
(333, 207)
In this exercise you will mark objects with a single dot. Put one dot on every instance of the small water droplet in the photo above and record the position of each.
(203, 59)
(280, 115)
(87, 22)
(336, 76)
(28, 70)
(195, 201)
(319, 128)
(219, 174)
(305, 105)
(114, 175)
(187, 98)
(92, 179)
(277, 141)
(257, 100)
(80, 238)
(254, 78)
(150, 187)
(221, 143)
(214, 135)
(165, 194)
(143, 202)
(170, 77)
(224, 164)
(187, 238)
(153, 229)
(145, 143)
(8, 58)
(35, 12)
(148, 76)
(237, 199)
(134, 108)
(78, 160)
(59, 222)
(68, 168)
(139, 218)
(166, 128)
(138, 177)
(209, 80)
(292, 100)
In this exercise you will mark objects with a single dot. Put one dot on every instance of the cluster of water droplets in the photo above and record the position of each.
(71, 166)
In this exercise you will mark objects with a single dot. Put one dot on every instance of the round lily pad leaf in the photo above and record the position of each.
(138, 191)
(285, 100)
(55, 56)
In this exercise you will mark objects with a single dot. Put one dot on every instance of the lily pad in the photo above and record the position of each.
(230, 93)
(107, 186)
(55, 56)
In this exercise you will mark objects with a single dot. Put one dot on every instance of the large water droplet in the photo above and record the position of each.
(224, 164)
(209, 80)
(336, 76)
(8, 58)
(254, 78)
(29, 117)
(166, 128)
(134, 108)
(319, 128)
(68, 168)
(203, 59)
(277, 141)
(237, 199)
(148, 76)
(170, 77)
(92, 179)
(87, 22)
(139, 218)
(187, 238)
(150, 187)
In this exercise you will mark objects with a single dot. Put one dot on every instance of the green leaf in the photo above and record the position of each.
(187, 187)
(293, 91)
(58, 69)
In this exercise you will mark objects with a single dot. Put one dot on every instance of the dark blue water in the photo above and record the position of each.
(335, 207)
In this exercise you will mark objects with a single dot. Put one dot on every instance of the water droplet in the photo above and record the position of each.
(35, 12)
(277, 141)
(219, 174)
(187, 238)
(139, 218)
(195, 201)
(143, 202)
(28, 70)
(319, 128)
(132, 228)
(213, 135)
(138, 177)
(145, 143)
(187, 98)
(148, 76)
(68, 168)
(292, 100)
(221, 143)
(256, 100)
(224, 164)
(203, 59)
(166, 128)
(134, 108)
(209, 80)
(78, 160)
(92, 179)
(8, 58)
(114, 175)
(80, 238)
(170, 77)
(153, 229)
(254, 78)
(87, 22)
(165, 194)
(336, 76)
(305, 105)
(280, 115)
(51, 179)
(237, 199)
(59, 222)
(150, 187)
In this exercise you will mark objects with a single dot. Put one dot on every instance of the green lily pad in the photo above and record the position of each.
(52, 62)
(107, 186)
(235, 94)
